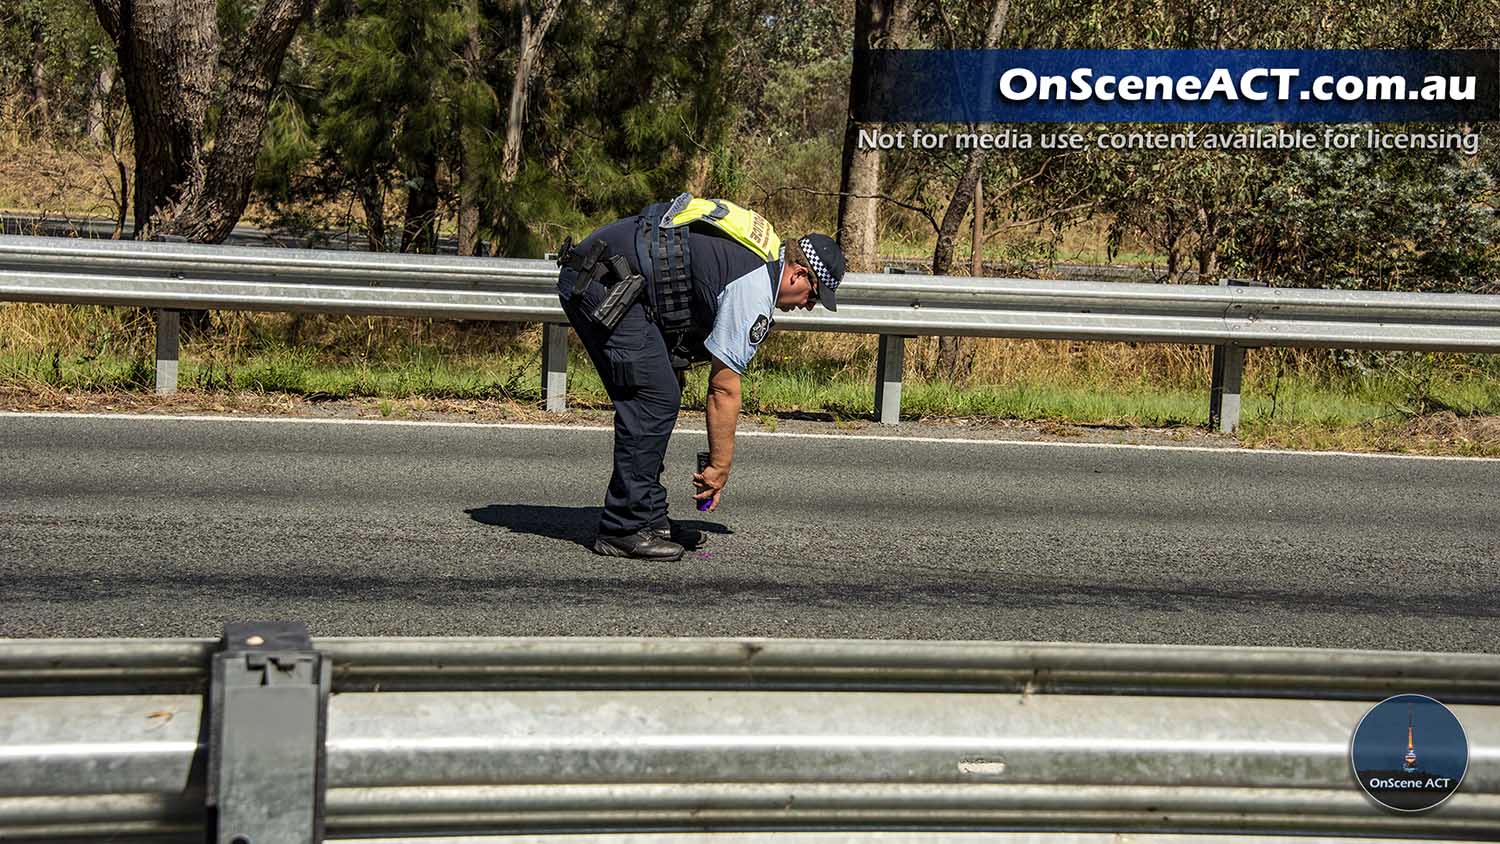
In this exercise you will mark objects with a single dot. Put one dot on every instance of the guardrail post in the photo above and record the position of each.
(1229, 370)
(1224, 393)
(168, 332)
(555, 366)
(268, 721)
(889, 363)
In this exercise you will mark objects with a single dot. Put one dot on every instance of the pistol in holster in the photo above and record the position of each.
(592, 269)
(621, 294)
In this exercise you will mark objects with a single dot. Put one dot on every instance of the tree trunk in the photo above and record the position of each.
(372, 201)
(124, 200)
(877, 25)
(104, 85)
(38, 74)
(532, 33)
(956, 354)
(977, 253)
(469, 140)
(167, 54)
(419, 233)
(244, 108)
(170, 56)
(1208, 265)
(958, 206)
(1174, 237)
(1208, 245)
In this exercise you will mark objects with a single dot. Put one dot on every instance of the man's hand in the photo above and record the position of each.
(710, 482)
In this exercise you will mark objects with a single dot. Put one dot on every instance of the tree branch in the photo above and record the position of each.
(1016, 224)
(533, 32)
(544, 22)
(963, 191)
(884, 197)
(942, 12)
(108, 12)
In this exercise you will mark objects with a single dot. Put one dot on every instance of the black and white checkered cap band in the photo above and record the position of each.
(825, 278)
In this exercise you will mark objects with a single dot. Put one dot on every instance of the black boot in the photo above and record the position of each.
(688, 538)
(641, 545)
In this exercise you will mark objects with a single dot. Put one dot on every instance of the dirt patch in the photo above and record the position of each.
(1460, 432)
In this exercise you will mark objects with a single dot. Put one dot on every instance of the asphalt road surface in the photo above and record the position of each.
(148, 527)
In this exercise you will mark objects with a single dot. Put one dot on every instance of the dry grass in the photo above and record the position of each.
(1012, 361)
(68, 182)
(80, 179)
(74, 330)
(85, 332)
(1442, 433)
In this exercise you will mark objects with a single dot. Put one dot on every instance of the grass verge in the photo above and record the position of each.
(1394, 403)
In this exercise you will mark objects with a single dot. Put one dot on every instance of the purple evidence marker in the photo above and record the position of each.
(703, 464)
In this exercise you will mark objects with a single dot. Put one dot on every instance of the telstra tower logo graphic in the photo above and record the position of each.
(1409, 761)
(1419, 773)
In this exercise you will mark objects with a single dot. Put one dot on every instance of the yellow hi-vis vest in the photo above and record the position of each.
(747, 227)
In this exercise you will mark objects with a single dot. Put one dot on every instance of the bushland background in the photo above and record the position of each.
(500, 127)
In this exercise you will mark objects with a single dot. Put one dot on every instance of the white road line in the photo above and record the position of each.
(303, 420)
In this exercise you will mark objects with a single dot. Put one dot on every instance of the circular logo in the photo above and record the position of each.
(759, 330)
(1409, 753)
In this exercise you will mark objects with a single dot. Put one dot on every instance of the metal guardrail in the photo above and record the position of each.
(171, 277)
(659, 738)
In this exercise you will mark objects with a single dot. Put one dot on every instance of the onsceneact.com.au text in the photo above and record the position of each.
(1256, 84)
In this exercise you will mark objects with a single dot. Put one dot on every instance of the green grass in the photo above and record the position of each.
(823, 387)
(1302, 399)
(292, 373)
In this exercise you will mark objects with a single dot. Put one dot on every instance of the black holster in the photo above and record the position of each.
(622, 294)
(622, 286)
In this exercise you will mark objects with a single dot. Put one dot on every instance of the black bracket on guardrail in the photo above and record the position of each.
(268, 718)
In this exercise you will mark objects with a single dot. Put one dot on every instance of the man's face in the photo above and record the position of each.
(797, 289)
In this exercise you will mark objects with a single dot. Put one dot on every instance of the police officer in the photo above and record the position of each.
(682, 282)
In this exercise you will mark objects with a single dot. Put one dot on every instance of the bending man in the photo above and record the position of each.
(682, 282)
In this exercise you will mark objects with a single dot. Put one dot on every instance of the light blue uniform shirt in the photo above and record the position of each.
(744, 317)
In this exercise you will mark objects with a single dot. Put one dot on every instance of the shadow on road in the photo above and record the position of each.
(571, 524)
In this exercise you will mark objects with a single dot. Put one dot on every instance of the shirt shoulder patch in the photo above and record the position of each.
(760, 329)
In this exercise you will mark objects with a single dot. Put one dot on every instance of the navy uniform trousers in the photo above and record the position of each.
(637, 372)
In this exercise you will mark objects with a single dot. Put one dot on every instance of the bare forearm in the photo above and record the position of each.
(723, 415)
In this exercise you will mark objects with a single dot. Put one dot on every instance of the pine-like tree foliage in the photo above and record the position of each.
(634, 92)
(626, 100)
(630, 96)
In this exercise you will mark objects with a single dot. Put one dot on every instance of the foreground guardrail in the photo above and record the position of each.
(443, 737)
(171, 277)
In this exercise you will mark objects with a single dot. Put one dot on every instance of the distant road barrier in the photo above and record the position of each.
(289, 739)
(171, 277)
